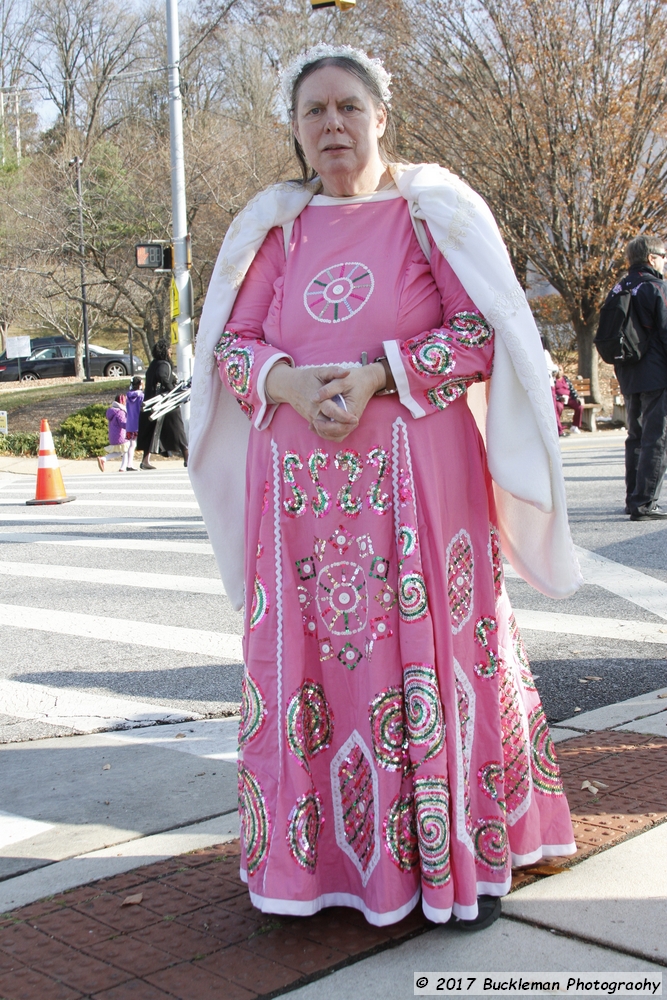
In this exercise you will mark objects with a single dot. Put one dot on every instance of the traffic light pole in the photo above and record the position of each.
(178, 206)
(76, 163)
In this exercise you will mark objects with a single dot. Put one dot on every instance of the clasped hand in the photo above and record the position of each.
(309, 391)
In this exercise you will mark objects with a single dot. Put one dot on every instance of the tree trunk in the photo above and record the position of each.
(588, 356)
(79, 370)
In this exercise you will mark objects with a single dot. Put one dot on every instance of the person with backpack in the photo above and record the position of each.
(633, 336)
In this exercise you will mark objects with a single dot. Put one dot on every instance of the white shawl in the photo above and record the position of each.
(516, 415)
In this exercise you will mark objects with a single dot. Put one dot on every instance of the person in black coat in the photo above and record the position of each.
(644, 384)
(166, 434)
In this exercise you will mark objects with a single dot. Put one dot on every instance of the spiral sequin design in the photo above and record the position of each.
(431, 355)
(309, 722)
(260, 603)
(377, 500)
(431, 796)
(303, 830)
(400, 833)
(222, 347)
(484, 627)
(320, 504)
(407, 540)
(490, 778)
(423, 708)
(490, 840)
(255, 825)
(412, 597)
(349, 461)
(543, 759)
(385, 713)
(443, 395)
(238, 366)
(471, 328)
(297, 503)
(253, 710)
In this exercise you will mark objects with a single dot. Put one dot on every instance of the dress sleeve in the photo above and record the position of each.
(436, 367)
(244, 358)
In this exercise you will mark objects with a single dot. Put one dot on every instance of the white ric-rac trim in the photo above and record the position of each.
(308, 907)
(393, 355)
(545, 851)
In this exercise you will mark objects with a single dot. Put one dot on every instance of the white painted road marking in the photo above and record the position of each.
(639, 588)
(170, 504)
(14, 829)
(601, 628)
(114, 577)
(221, 645)
(133, 544)
(26, 517)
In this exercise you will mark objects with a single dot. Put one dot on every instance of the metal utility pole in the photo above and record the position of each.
(178, 206)
(76, 163)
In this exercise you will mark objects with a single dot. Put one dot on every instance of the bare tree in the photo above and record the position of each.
(555, 112)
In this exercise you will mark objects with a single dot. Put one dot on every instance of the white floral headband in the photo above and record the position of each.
(373, 67)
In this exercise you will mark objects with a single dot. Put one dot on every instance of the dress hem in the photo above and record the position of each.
(308, 907)
(545, 851)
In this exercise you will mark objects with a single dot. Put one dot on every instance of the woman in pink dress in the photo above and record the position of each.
(392, 744)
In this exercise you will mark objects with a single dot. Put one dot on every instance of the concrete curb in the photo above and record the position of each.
(86, 868)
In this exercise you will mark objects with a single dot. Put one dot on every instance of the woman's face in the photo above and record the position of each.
(338, 127)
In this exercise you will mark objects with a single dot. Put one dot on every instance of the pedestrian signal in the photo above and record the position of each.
(341, 4)
(154, 256)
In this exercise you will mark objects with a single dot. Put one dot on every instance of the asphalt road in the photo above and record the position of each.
(149, 524)
(112, 614)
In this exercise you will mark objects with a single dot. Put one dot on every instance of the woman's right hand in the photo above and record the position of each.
(300, 387)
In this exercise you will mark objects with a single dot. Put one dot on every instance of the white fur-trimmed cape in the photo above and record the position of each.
(515, 414)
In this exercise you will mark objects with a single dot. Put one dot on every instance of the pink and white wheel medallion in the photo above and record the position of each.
(339, 292)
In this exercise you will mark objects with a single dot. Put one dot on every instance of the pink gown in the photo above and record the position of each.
(392, 741)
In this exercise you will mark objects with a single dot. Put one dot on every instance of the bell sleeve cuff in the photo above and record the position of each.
(266, 409)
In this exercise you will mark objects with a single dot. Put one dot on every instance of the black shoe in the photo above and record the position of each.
(489, 909)
(648, 514)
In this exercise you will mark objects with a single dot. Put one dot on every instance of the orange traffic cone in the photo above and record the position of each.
(50, 486)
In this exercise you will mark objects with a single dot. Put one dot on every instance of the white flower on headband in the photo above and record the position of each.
(373, 67)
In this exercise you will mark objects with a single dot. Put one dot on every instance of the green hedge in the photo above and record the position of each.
(82, 435)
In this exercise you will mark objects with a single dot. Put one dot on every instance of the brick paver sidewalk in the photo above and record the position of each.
(194, 934)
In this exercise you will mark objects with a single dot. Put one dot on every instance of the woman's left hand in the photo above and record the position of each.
(356, 387)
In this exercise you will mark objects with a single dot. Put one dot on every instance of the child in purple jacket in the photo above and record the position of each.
(134, 402)
(117, 447)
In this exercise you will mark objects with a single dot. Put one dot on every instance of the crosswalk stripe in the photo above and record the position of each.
(113, 578)
(118, 492)
(27, 517)
(640, 588)
(601, 628)
(221, 645)
(131, 544)
(170, 504)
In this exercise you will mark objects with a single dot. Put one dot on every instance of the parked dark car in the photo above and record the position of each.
(57, 361)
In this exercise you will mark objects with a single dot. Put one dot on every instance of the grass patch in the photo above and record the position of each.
(12, 400)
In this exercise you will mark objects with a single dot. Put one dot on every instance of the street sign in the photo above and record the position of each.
(4, 429)
(175, 301)
(18, 347)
